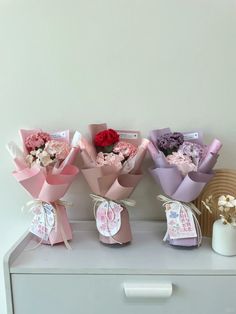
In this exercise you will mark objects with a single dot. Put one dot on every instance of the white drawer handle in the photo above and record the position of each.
(148, 290)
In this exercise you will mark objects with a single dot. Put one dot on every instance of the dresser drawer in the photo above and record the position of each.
(90, 294)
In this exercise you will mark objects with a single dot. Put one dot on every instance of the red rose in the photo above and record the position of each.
(106, 138)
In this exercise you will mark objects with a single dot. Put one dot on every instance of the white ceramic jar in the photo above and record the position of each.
(224, 238)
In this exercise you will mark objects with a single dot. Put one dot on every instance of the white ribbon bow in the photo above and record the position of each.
(33, 204)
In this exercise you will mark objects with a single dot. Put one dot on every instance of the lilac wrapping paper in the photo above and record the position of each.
(188, 242)
(174, 184)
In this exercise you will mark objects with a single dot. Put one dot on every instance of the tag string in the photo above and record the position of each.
(100, 199)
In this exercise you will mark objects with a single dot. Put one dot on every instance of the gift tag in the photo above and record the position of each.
(43, 221)
(191, 136)
(108, 218)
(180, 223)
(128, 135)
(61, 136)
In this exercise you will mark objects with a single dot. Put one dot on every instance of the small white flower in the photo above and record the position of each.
(209, 199)
(224, 209)
(221, 208)
(227, 202)
(34, 152)
(44, 159)
(37, 152)
(29, 160)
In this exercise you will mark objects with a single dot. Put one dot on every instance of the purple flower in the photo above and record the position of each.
(170, 142)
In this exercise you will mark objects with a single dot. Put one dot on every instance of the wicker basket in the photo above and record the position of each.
(224, 182)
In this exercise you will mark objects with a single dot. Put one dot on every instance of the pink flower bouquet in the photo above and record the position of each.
(112, 167)
(183, 166)
(44, 168)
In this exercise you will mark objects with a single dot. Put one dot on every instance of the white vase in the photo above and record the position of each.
(224, 238)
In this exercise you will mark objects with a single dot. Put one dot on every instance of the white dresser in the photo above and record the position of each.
(145, 277)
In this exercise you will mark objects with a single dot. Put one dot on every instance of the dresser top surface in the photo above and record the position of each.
(146, 254)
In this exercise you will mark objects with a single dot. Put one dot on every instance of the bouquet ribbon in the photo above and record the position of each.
(186, 207)
(36, 203)
(100, 199)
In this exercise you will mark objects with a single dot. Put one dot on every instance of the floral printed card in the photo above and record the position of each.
(180, 222)
(43, 221)
(108, 218)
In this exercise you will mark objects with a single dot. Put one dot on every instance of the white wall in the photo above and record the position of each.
(137, 64)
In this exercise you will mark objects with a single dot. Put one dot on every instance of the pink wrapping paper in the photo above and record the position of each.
(46, 187)
(109, 182)
(56, 235)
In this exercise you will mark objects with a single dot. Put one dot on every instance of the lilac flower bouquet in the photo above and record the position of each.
(182, 166)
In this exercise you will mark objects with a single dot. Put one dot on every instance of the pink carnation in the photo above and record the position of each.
(109, 159)
(58, 149)
(36, 140)
(125, 148)
(182, 162)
